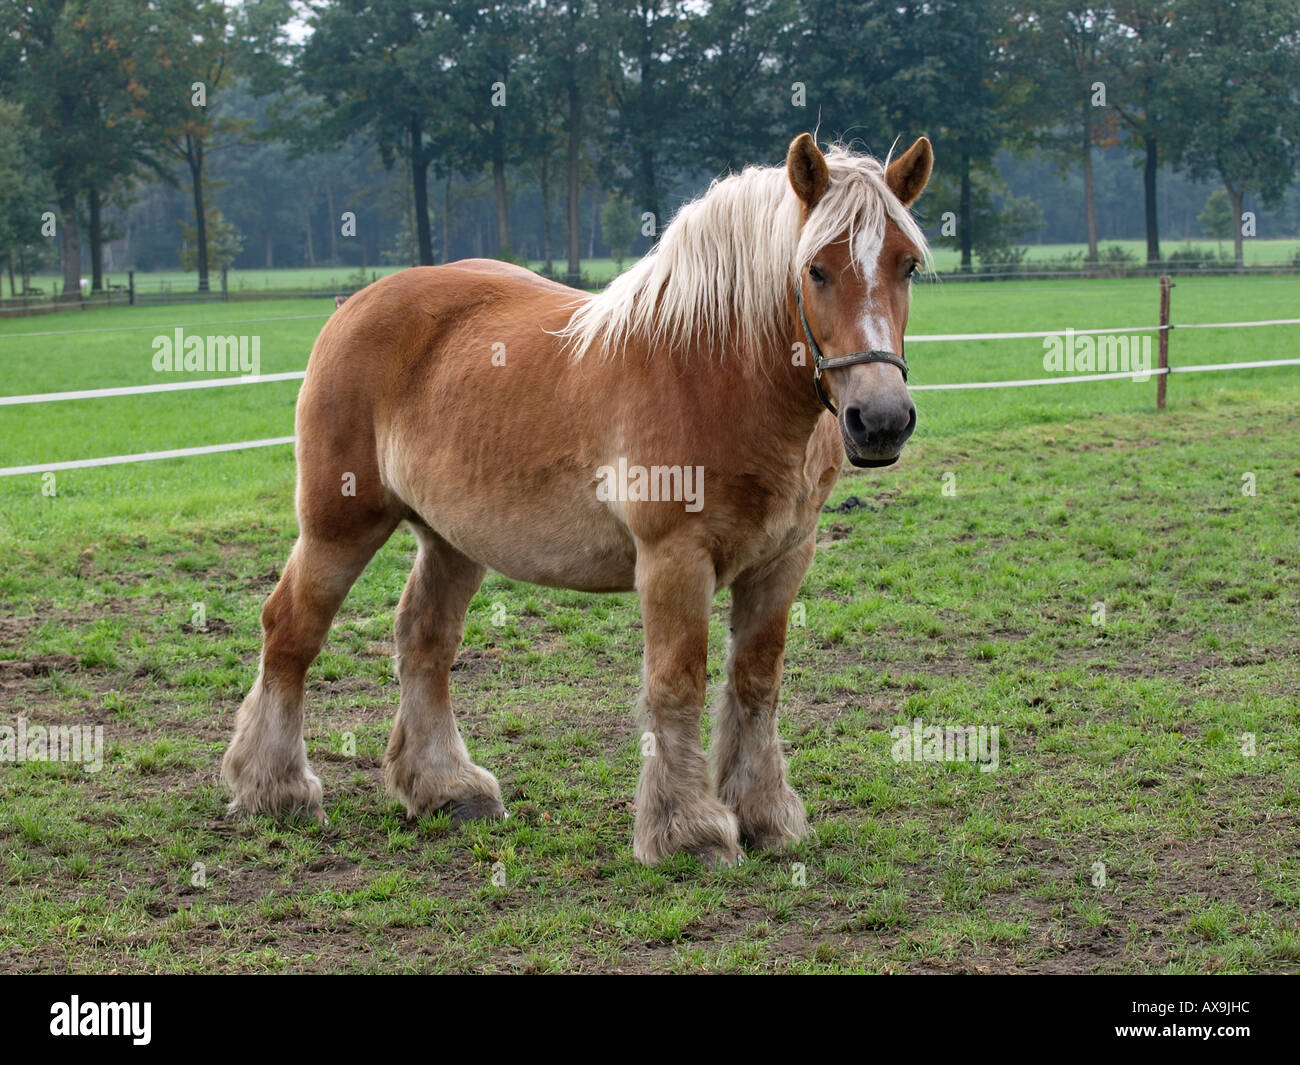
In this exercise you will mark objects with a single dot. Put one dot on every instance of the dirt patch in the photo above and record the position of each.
(19, 669)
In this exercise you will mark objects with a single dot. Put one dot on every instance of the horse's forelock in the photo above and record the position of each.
(859, 202)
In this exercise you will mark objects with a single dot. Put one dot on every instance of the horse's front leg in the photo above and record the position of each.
(676, 809)
(748, 766)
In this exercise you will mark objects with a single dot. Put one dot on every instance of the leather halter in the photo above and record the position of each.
(854, 358)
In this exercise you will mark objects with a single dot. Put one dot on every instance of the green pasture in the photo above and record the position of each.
(1143, 817)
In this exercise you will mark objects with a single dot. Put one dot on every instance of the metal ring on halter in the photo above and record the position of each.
(856, 358)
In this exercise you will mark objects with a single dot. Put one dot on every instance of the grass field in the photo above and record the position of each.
(1121, 742)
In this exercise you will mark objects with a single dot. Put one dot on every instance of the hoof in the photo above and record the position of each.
(703, 828)
(771, 823)
(312, 812)
(475, 807)
(467, 793)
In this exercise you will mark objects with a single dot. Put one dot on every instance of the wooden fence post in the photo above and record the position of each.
(1162, 379)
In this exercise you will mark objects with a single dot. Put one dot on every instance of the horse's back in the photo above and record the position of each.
(392, 328)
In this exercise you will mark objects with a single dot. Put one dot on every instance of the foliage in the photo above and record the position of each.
(618, 227)
(1217, 219)
(647, 99)
(224, 242)
(24, 195)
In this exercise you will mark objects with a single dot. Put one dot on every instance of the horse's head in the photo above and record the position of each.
(857, 252)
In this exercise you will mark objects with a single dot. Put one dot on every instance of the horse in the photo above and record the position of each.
(676, 434)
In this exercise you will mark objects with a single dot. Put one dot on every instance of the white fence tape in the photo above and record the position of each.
(1071, 380)
(1233, 365)
(170, 326)
(1140, 375)
(140, 390)
(210, 449)
(926, 338)
(143, 456)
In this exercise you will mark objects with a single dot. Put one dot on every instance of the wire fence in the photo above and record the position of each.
(1160, 372)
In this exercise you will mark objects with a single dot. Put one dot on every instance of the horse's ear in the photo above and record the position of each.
(806, 167)
(908, 175)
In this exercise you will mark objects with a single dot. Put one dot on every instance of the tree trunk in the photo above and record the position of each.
(270, 255)
(650, 198)
(573, 218)
(194, 155)
(12, 291)
(647, 118)
(71, 246)
(1149, 192)
(446, 217)
(499, 183)
(335, 221)
(1237, 196)
(310, 250)
(96, 244)
(964, 223)
(420, 189)
(1089, 198)
(548, 256)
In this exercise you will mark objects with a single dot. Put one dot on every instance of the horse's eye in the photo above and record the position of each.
(816, 275)
(912, 267)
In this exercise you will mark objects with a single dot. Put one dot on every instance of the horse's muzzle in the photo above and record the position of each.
(875, 431)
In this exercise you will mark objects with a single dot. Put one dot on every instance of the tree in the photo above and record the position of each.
(1140, 82)
(73, 67)
(199, 42)
(487, 100)
(1217, 219)
(378, 69)
(1237, 92)
(120, 144)
(24, 195)
(647, 47)
(579, 60)
(742, 106)
(223, 244)
(996, 221)
(958, 93)
(1055, 94)
(618, 227)
(543, 138)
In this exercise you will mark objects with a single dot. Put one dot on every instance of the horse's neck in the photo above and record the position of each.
(763, 392)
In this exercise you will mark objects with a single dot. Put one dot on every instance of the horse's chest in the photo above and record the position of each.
(786, 520)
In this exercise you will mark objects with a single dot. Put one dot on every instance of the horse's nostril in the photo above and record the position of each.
(911, 420)
(853, 420)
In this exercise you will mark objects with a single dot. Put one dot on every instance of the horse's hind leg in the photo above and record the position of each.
(749, 769)
(426, 765)
(266, 762)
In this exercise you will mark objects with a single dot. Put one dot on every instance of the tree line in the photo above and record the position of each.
(103, 100)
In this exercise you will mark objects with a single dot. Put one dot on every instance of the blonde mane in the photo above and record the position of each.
(725, 267)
